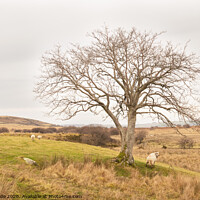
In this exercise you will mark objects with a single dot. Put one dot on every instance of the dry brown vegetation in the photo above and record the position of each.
(21, 121)
(173, 154)
(188, 158)
(155, 139)
(96, 181)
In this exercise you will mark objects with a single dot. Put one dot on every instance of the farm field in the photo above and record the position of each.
(85, 171)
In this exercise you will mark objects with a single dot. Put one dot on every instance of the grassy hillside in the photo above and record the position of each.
(8, 120)
(42, 150)
(39, 150)
(66, 168)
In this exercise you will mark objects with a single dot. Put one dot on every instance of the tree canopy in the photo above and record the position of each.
(123, 73)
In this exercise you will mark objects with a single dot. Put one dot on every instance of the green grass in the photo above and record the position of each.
(11, 147)
(74, 170)
(148, 171)
(122, 171)
(162, 168)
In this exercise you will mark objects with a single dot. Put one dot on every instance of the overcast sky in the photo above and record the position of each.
(29, 28)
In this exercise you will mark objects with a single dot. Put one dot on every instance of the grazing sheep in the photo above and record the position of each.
(33, 137)
(28, 161)
(151, 159)
(39, 137)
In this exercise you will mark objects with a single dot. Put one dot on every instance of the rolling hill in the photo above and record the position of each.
(22, 121)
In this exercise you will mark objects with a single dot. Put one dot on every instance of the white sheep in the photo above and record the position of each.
(39, 137)
(33, 137)
(28, 161)
(151, 159)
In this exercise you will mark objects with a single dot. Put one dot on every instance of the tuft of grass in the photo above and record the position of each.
(52, 160)
(7, 185)
(26, 188)
(122, 171)
(148, 171)
(98, 162)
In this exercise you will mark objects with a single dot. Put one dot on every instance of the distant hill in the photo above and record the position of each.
(145, 125)
(22, 121)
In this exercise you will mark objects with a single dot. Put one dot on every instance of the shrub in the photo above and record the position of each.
(43, 130)
(51, 130)
(38, 130)
(18, 131)
(68, 129)
(179, 125)
(92, 130)
(140, 136)
(100, 139)
(70, 138)
(186, 142)
(86, 129)
(98, 136)
(186, 126)
(26, 130)
(114, 131)
(4, 130)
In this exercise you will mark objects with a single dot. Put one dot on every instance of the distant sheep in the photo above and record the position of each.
(151, 159)
(33, 137)
(39, 137)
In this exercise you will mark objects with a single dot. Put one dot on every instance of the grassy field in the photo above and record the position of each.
(66, 168)
(173, 155)
(40, 150)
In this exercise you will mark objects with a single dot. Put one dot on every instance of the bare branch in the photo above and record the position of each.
(119, 73)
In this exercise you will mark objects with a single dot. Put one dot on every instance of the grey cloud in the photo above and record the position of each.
(16, 94)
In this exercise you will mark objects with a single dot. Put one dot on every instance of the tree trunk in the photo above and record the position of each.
(127, 140)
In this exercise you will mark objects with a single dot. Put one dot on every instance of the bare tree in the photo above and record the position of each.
(124, 74)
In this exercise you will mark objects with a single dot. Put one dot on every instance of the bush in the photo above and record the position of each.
(70, 138)
(92, 130)
(18, 131)
(179, 125)
(38, 130)
(186, 126)
(43, 130)
(140, 136)
(68, 129)
(4, 130)
(51, 130)
(114, 131)
(100, 139)
(186, 142)
(26, 130)
(86, 129)
(98, 136)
